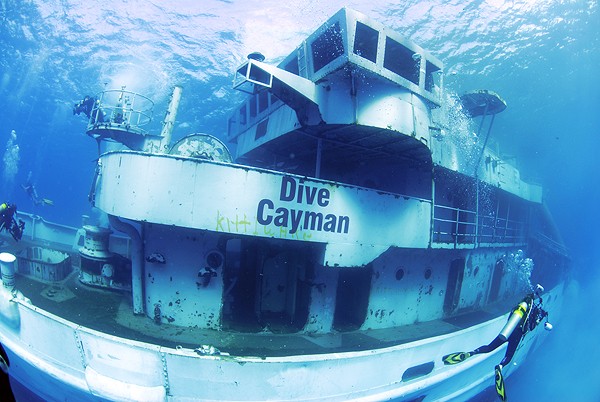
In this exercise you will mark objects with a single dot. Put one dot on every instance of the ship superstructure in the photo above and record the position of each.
(339, 254)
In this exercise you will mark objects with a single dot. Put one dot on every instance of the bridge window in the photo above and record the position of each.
(327, 47)
(263, 101)
(243, 114)
(432, 77)
(365, 42)
(292, 66)
(252, 106)
(261, 129)
(401, 60)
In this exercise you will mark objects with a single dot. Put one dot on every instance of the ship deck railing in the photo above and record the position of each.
(554, 245)
(454, 227)
(55, 236)
(120, 110)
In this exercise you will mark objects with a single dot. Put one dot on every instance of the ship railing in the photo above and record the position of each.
(119, 109)
(550, 243)
(56, 236)
(454, 227)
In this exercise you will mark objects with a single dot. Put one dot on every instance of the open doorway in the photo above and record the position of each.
(352, 298)
(454, 285)
(266, 285)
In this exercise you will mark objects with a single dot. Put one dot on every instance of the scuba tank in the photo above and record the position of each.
(516, 316)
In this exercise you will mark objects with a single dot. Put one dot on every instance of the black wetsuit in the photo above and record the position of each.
(513, 341)
(86, 106)
(7, 213)
(5, 389)
(530, 320)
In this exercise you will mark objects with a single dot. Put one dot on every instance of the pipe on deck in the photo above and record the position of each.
(137, 262)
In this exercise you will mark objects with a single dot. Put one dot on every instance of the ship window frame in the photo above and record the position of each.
(432, 77)
(242, 114)
(274, 100)
(263, 101)
(261, 129)
(366, 40)
(401, 60)
(293, 66)
(327, 47)
(259, 76)
(252, 106)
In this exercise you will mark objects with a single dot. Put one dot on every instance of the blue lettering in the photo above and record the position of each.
(282, 218)
(311, 193)
(260, 212)
(330, 221)
(343, 224)
(298, 219)
(313, 221)
(296, 216)
(288, 189)
(323, 199)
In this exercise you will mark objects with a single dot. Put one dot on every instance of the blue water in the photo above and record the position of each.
(541, 56)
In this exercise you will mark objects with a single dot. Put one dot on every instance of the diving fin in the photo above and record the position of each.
(46, 201)
(3, 365)
(455, 358)
(499, 380)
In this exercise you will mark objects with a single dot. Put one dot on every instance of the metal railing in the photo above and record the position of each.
(463, 228)
(121, 109)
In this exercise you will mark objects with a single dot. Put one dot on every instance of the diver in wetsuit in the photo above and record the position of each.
(31, 191)
(524, 318)
(86, 106)
(8, 221)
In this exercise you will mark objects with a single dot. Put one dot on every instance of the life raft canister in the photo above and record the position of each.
(516, 317)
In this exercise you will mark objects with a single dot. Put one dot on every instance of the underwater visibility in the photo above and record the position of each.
(231, 202)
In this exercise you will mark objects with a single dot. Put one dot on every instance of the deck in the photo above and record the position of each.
(111, 312)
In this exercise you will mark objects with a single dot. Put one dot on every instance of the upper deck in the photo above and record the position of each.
(352, 88)
(357, 103)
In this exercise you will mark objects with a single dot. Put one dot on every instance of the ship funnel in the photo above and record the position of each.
(7, 268)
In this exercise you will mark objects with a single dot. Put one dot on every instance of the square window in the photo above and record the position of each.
(401, 60)
(327, 47)
(365, 42)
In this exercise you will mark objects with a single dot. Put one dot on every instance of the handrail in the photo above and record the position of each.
(460, 227)
(119, 108)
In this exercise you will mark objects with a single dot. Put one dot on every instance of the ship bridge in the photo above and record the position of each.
(353, 91)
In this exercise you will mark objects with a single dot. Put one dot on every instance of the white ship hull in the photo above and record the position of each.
(59, 360)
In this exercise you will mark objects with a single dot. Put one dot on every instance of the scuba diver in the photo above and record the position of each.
(8, 221)
(90, 107)
(524, 318)
(31, 191)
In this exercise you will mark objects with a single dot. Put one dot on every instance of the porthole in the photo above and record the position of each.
(399, 274)
(214, 259)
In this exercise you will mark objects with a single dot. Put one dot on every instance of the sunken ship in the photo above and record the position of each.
(347, 244)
